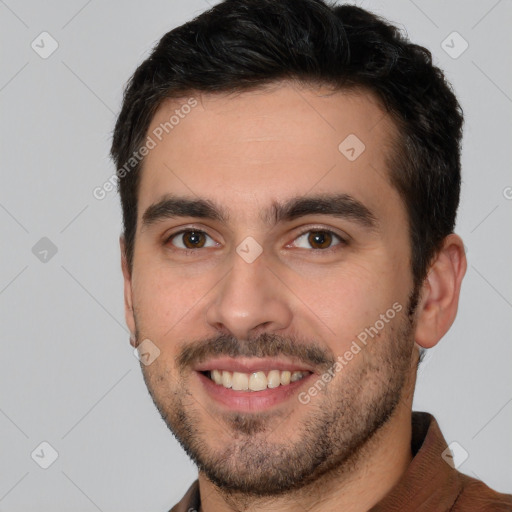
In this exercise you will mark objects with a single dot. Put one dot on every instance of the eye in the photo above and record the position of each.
(321, 239)
(191, 239)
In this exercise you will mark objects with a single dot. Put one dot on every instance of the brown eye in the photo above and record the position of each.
(318, 240)
(191, 239)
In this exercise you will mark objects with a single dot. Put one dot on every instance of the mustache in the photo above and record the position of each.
(265, 345)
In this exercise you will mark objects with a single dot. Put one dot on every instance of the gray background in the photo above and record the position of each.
(68, 375)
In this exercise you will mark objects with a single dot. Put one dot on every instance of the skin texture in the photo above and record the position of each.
(350, 443)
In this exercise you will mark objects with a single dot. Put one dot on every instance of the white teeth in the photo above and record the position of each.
(240, 381)
(285, 378)
(226, 379)
(273, 378)
(256, 381)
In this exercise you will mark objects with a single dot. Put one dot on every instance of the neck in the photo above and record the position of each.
(357, 486)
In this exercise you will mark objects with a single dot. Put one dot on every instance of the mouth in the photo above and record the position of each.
(250, 385)
(255, 381)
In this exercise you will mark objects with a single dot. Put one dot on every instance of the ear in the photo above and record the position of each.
(439, 297)
(128, 297)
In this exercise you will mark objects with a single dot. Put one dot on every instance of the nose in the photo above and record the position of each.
(249, 300)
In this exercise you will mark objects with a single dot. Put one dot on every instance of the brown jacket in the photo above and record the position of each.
(429, 485)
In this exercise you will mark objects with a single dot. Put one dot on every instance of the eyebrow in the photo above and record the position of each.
(336, 205)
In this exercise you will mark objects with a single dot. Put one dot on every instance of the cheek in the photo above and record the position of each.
(169, 301)
(156, 301)
(344, 301)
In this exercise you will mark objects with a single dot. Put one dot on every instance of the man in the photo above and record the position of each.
(289, 175)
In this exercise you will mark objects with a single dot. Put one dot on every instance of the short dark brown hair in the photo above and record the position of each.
(245, 44)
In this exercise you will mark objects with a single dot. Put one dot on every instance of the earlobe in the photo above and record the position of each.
(439, 297)
(128, 296)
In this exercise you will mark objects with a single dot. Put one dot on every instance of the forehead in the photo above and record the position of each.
(248, 149)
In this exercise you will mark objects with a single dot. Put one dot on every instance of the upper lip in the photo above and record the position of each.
(251, 364)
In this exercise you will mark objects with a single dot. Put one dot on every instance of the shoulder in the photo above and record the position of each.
(478, 497)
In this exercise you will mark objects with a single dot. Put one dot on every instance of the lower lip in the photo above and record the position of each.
(252, 401)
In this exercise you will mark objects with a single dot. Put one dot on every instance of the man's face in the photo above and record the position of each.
(265, 282)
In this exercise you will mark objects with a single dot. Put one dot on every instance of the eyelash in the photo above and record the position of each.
(342, 241)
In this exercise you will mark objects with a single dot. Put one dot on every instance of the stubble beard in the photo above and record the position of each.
(330, 437)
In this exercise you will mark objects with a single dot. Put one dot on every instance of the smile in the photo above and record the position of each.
(255, 381)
